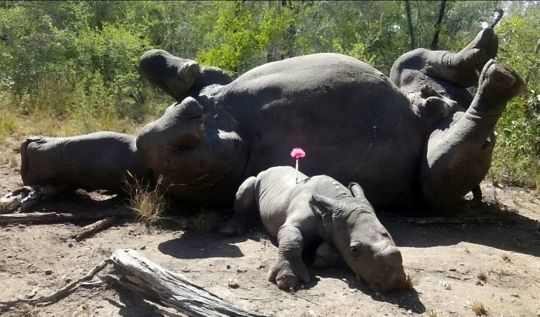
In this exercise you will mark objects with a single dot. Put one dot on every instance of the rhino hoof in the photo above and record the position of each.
(288, 276)
(502, 78)
(286, 280)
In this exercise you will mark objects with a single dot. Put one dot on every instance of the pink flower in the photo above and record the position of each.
(297, 153)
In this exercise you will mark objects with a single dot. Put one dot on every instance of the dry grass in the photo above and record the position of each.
(431, 313)
(482, 276)
(149, 203)
(506, 258)
(205, 221)
(446, 285)
(410, 282)
(478, 308)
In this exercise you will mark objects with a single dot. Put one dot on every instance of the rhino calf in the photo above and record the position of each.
(316, 208)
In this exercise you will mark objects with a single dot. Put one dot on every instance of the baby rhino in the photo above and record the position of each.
(304, 212)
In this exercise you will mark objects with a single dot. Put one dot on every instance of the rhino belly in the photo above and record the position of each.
(353, 123)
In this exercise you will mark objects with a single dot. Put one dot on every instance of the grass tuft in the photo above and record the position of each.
(410, 282)
(506, 258)
(431, 313)
(205, 221)
(482, 276)
(149, 203)
(478, 308)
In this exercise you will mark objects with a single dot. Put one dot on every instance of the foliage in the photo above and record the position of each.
(517, 158)
(71, 67)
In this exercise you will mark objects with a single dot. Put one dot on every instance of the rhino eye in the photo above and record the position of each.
(356, 249)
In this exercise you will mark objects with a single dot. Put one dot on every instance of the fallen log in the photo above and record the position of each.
(152, 282)
(133, 272)
(57, 217)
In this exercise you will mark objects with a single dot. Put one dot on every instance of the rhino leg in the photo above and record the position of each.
(100, 160)
(289, 268)
(245, 207)
(460, 68)
(172, 74)
(458, 153)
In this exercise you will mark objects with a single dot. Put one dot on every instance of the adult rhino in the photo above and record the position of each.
(418, 138)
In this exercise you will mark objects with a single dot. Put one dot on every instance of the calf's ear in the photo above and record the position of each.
(326, 207)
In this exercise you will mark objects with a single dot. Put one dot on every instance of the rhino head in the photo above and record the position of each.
(363, 242)
(197, 148)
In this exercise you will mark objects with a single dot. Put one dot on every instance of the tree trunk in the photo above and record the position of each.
(409, 23)
(435, 41)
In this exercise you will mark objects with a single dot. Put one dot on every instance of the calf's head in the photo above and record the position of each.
(363, 242)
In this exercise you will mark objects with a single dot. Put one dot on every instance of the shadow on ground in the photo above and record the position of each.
(194, 245)
(486, 224)
(133, 305)
(405, 299)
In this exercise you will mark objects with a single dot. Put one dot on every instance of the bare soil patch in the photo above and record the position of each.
(493, 261)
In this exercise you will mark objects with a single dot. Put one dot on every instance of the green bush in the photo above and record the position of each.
(70, 67)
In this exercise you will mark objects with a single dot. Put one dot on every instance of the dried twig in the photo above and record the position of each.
(93, 228)
(58, 295)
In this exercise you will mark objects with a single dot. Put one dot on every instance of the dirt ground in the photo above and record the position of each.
(495, 263)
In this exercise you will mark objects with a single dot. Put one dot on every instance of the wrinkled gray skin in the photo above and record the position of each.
(417, 139)
(314, 209)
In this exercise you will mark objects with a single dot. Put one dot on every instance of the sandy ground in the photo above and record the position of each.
(445, 261)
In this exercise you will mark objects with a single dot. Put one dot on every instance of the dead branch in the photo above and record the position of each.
(152, 282)
(58, 295)
(449, 221)
(426, 221)
(93, 228)
(139, 275)
(55, 217)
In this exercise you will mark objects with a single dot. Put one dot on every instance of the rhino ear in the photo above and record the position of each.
(324, 206)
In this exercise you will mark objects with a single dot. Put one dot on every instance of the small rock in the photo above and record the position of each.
(32, 294)
(143, 247)
(241, 271)
(228, 266)
(70, 245)
(21, 226)
(233, 283)
(452, 270)
(261, 266)
(48, 272)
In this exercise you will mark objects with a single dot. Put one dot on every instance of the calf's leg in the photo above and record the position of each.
(289, 268)
(245, 208)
